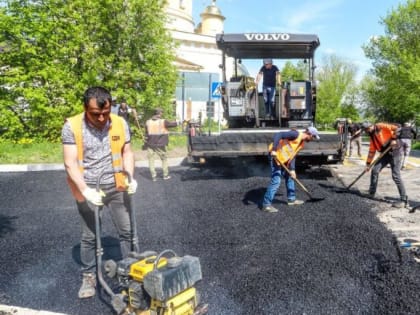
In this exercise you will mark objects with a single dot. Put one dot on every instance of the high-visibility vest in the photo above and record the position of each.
(156, 127)
(380, 138)
(117, 141)
(288, 149)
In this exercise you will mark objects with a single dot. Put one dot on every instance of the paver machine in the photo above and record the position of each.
(249, 132)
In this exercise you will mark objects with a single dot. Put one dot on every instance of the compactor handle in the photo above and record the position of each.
(166, 251)
(98, 181)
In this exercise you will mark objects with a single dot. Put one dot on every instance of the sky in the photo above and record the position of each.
(342, 26)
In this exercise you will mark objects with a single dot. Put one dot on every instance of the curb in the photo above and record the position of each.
(14, 310)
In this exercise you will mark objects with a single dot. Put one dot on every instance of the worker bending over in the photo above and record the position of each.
(382, 136)
(283, 151)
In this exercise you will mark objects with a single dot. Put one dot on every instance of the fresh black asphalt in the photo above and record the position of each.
(327, 257)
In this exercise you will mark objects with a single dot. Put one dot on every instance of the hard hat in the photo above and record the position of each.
(267, 61)
(349, 121)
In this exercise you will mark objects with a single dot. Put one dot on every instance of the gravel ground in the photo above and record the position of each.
(327, 257)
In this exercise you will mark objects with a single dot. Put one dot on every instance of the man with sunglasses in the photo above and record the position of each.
(97, 142)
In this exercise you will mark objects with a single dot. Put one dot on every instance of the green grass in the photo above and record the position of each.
(33, 153)
(28, 153)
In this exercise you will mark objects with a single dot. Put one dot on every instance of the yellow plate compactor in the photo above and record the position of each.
(152, 284)
(149, 283)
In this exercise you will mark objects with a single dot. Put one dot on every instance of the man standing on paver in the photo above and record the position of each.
(95, 142)
(285, 147)
(271, 77)
(383, 135)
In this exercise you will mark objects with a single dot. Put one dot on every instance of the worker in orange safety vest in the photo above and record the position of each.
(382, 136)
(97, 143)
(283, 151)
(156, 142)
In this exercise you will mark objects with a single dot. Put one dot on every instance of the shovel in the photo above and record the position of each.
(311, 198)
(365, 170)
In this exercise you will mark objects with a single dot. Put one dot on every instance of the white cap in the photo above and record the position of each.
(314, 132)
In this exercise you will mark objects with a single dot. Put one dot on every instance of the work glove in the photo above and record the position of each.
(93, 196)
(293, 174)
(131, 187)
(273, 153)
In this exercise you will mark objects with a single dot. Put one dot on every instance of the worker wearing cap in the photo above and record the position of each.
(283, 151)
(271, 78)
(382, 136)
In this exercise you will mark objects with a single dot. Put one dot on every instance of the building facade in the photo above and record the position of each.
(197, 58)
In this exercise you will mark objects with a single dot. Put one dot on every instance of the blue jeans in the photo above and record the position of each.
(269, 94)
(277, 173)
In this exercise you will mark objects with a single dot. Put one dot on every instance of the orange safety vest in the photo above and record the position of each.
(380, 138)
(156, 127)
(287, 149)
(117, 141)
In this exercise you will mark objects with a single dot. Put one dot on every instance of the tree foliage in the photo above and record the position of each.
(395, 94)
(52, 50)
(335, 87)
(291, 72)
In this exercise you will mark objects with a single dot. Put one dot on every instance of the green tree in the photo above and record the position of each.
(52, 50)
(395, 96)
(336, 81)
(292, 72)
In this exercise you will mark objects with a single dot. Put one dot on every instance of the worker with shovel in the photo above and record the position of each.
(384, 137)
(282, 158)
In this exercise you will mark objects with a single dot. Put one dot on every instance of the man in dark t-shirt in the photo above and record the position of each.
(271, 78)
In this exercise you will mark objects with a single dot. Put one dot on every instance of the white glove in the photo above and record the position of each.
(293, 174)
(273, 153)
(131, 187)
(93, 196)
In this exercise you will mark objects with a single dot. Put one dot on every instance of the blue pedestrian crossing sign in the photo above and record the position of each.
(216, 88)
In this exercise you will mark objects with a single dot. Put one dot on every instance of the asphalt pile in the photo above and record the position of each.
(326, 257)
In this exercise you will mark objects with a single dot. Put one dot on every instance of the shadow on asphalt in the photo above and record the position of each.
(7, 224)
(111, 246)
(356, 192)
(243, 167)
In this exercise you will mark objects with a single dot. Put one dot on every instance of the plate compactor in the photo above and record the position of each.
(149, 283)
(152, 284)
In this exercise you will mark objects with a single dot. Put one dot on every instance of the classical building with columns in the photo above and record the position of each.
(197, 58)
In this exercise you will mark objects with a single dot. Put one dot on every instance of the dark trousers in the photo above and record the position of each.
(394, 159)
(117, 203)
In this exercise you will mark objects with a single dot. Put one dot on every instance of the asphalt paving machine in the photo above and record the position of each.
(250, 131)
(149, 283)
